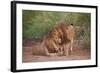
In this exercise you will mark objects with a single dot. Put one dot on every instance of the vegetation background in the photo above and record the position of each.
(36, 24)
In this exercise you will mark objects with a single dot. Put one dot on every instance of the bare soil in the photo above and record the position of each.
(33, 53)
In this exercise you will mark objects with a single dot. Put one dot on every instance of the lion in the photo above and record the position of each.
(51, 41)
(67, 39)
(59, 41)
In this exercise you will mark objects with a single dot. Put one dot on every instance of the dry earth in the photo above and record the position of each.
(33, 53)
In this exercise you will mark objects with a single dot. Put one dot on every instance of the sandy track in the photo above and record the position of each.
(30, 47)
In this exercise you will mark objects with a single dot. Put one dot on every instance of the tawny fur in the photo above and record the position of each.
(67, 39)
(51, 41)
(59, 40)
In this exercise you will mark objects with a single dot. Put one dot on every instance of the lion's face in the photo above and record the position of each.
(56, 36)
(57, 39)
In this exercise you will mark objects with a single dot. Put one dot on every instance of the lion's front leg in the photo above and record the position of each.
(66, 49)
(46, 51)
(61, 50)
(71, 46)
(58, 49)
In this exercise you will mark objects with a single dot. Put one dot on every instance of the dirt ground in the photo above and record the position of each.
(31, 46)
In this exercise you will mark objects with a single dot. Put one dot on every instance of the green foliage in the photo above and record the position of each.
(38, 23)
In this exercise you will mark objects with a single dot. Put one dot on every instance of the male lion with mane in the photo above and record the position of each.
(67, 39)
(51, 41)
(59, 41)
